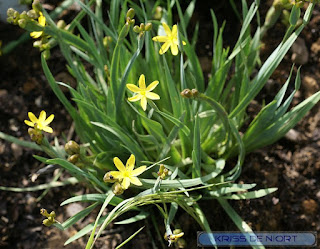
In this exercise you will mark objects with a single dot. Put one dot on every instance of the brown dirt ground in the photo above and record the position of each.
(292, 164)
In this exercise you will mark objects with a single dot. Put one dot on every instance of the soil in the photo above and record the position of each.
(292, 164)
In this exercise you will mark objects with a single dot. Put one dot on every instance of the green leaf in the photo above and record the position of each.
(129, 143)
(241, 224)
(196, 152)
(188, 182)
(71, 180)
(294, 15)
(251, 195)
(105, 204)
(17, 141)
(141, 216)
(92, 197)
(80, 215)
(130, 238)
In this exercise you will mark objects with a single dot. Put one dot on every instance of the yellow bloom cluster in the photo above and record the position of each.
(125, 174)
(143, 92)
(40, 123)
(170, 40)
(42, 22)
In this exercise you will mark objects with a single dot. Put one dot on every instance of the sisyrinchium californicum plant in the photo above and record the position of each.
(152, 130)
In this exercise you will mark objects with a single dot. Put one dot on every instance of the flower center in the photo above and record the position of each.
(126, 174)
(143, 93)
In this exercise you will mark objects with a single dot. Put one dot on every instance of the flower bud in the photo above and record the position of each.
(177, 233)
(61, 24)
(130, 13)
(10, 19)
(36, 5)
(22, 23)
(35, 135)
(108, 177)
(158, 13)
(117, 188)
(163, 172)
(10, 12)
(37, 44)
(23, 15)
(72, 148)
(47, 222)
(44, 212)
(106, 41)
(142, 27)
(52, 214)
(136, 29)
(194, 93)
(186, 93)
(132, 21)
(74, 158)
(32, 14)
(15, 17)
(148, 26)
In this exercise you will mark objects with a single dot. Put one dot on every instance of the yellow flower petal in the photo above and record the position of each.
(174, 49)
(130, 163)
(47, 129)
(164, 48)
(116, 174)
(152, 96)
(135, 98)
(184, 43)
(160, 38)
(144, 103)
(36, 34)
(142, 82)
(134, 180)
(32, 117)
(167, 29)
(48, 120)
(139, 171)
(42, 20)
(119, 164)
(42, 117)
(27, 122)
(133, 88)
(174, 31)
(125, 183)
(152, 86)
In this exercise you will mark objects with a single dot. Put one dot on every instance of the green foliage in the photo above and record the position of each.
(193, 137)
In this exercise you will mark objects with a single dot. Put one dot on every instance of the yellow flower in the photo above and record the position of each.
(170, 40)
(40, 123)
(127, 174)
(42, 22)
(143, 93)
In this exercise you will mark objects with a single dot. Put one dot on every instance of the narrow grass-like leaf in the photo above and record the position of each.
(141, 216)
(189, 182)
(110, 195)
(80, 215)
(71, 180)
(17, 141)
(130, 238)
(241, 224)
(196, 152)
(251, 195)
